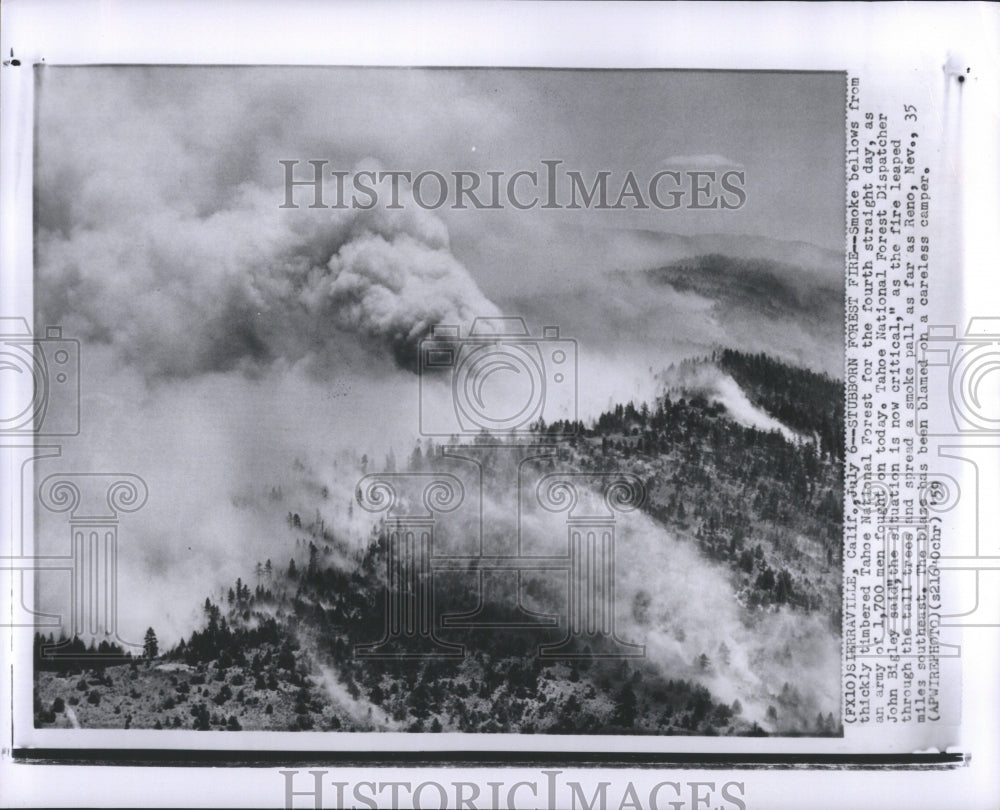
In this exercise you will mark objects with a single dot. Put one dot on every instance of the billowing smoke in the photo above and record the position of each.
(249, 362)
(682, 607)
(229, 357)
(250, 284)
(709, 381)
(669, 597)
(689, 609)
(239, 362)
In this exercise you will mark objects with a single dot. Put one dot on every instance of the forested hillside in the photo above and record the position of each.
(810, 403)
(764, 509)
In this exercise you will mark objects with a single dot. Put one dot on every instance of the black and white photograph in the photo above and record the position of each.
(441, 400)
(506, 404)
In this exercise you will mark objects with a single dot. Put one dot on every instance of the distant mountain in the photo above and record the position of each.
(755, 287)
(647, 294)
(814, 260)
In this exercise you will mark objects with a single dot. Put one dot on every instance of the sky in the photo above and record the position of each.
(192, 137)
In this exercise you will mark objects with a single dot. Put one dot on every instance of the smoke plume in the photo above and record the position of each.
(250, 284)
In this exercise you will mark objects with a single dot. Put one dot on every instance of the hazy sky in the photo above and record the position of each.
(159, 191)
(191, 136)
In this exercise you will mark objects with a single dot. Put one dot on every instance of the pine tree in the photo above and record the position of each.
(625, 708)
(150, 648)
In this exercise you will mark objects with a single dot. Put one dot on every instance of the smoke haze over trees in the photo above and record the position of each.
(730, 576)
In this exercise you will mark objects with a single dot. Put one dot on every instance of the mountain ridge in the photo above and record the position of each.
(762, 512)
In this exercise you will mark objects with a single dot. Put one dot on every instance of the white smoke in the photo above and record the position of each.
(241, 358)
(690, 608)
(179, 295)
(715, 385)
